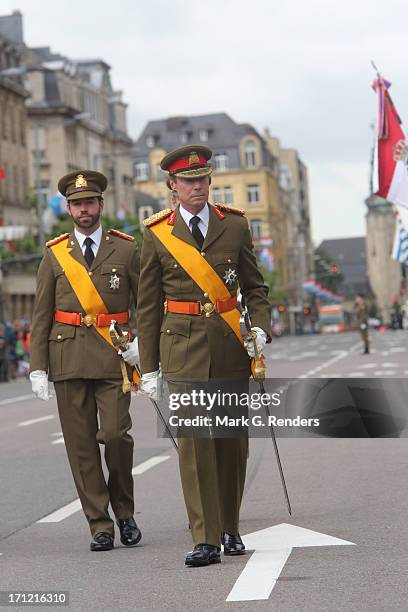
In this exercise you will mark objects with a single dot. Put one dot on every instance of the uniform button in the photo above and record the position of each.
(113, 269)
(168, 331)
(72, 243)
(90, 273)
(228, 260)
(107, 238)
(203, 253)
(59, 337)
(206, 294)
(175, 265)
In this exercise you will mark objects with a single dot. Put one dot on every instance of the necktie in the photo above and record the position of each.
(196, 231)
(89, 255)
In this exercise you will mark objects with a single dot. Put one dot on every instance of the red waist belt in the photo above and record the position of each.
(197, 308)
(98, 320)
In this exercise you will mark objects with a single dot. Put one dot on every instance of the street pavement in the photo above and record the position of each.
(351, 489)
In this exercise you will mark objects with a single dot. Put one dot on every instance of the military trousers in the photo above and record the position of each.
(212, 471)
(80, 403)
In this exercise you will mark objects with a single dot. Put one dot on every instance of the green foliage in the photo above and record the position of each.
(277, 293)
(329, 279)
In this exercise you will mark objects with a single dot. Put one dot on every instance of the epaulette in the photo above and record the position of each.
(225, 208)
(56, 240)
(159, 216)
(120, 234)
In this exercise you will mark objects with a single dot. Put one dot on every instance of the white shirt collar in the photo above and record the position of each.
(96, 237)
(204, 215)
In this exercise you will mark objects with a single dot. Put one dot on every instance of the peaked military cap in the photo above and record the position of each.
(188, 162)
(82, 184)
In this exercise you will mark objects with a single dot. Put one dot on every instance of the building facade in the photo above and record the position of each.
(246, 175)
(294, 194)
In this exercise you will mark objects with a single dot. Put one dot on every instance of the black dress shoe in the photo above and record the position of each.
(102, 541)
(203, 554)
(233, 545)
(130, 534)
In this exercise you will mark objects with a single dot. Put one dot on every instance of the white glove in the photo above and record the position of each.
(260, 341)
(131, 355)
(152, 384)
(39, 385)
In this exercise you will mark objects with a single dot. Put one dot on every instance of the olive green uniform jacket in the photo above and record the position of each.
(67, 351)
(198, 347)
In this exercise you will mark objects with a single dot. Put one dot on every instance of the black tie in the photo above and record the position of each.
(89, 255)
(196, 231)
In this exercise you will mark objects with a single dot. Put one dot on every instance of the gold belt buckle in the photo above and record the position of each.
(88, 320)
(208, 308)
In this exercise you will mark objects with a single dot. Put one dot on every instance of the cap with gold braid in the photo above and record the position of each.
(187, 162)
(82, 184)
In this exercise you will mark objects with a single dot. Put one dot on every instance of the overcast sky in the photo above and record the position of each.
(301, 68)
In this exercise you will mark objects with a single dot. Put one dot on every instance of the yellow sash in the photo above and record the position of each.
(199, 270)
(80, 281)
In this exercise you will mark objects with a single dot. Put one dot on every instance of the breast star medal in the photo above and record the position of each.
(230, 276)
(114, 282)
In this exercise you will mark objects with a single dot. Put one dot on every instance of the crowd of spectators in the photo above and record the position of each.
(14, 349)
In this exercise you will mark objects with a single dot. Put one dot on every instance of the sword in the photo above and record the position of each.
(120, 340)
(258, 373)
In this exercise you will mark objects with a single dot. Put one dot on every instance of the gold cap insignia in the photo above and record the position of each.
(193, 159)
(81, 181)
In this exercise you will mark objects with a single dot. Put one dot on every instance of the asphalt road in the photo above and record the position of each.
(352, 489)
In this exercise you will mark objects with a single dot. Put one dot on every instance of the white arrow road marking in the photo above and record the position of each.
(272, 548)
(74, 506)
(48, 417)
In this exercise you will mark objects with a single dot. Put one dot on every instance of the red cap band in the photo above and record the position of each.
(184, 164)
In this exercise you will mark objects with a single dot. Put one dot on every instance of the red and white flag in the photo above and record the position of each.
(392, 152)
(2, 173)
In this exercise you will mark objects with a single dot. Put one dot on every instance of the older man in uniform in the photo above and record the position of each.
(85, 280)
(193, 261)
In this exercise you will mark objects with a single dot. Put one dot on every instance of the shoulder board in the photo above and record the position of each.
(224, 208)
(120, 234)
(159, 216)
(56, 240)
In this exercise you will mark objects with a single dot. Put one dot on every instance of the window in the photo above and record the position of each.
(150, 141)
(216, 194)
(142, 171)
(203, 135)
(144, 213)
(253, 194)
(221, 161)
(250, 153)
(228, 195)
(256, 228)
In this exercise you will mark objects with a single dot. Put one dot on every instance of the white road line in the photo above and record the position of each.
(355, 374)
(148, 464)
(73, 507)
(398, 349)
(48, 417)
(367, 366)
(384, 373)
(58, 441)
(330, 362)
(389, 365)
(19, 398)
(331, 375)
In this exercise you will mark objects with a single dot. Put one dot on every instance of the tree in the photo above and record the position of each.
(277, 294)
(327, 271)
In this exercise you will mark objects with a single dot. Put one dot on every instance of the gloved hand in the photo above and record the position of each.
(260, 341)
(152, 384)
(39, 385)
(131, 355)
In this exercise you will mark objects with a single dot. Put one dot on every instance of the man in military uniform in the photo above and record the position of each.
(193, 261)
(85, 280)
(362, 318)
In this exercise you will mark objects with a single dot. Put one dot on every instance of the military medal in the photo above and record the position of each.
(230, 276)
(114, 281)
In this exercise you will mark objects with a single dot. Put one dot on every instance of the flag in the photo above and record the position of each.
(2, 173)
(400, 247)
(56, 204)
(392, 152)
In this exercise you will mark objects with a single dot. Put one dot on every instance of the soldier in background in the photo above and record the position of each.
(360, 308)
(85, 280)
